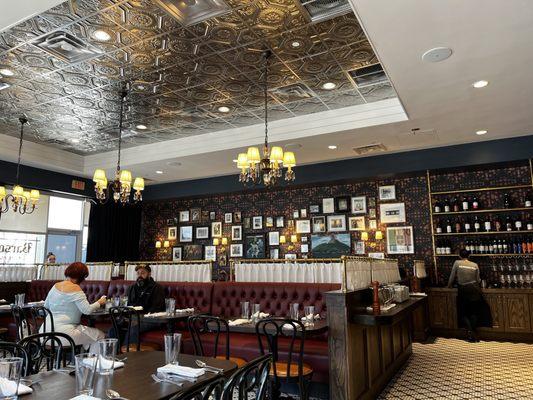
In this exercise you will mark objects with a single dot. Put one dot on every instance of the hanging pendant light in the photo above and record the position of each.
(122, 184)
(20, 200)
(267, 169)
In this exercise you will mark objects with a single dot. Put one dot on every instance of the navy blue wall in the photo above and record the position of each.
(358, 168)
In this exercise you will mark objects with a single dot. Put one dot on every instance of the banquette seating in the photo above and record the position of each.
(224, 299)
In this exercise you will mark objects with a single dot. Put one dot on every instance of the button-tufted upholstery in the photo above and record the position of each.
(197, 295)
(94, 289)
(38, 290)
(118, 288)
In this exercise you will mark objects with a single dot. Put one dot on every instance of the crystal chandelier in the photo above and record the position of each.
(269, 168)
(121, 185)
(20, 200)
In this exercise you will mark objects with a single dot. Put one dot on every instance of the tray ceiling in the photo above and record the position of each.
(179, 76)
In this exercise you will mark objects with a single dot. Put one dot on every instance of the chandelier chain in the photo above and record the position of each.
(23, 121)
(123, 95)
(267, 56)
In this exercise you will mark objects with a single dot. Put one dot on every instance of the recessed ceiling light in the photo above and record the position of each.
(480, 84)
(332, 147)
(437, 54)
(6, 72)
(223, 109)
(329, 85)
(296, 44)
(74, 140)
(141, 127)
(481, 132)
(159, 172)
(101, 35)
(235, 161)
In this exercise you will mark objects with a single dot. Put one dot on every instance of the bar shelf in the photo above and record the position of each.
(488, 210)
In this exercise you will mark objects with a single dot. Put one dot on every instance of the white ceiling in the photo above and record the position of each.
(490, 40)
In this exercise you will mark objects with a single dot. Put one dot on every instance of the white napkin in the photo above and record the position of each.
(84, 397)
(34, 303)
(137, 308)
(104, 362)
(156, 314)
(317, 317)
(5, 307)
(7, 387)
(260, 315)
(188, 372)
(240, 321)
(184, 310)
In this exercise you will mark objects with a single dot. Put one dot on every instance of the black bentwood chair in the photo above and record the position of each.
(50, 350)
(285, 336)
(210, 389)
(250, 379)
(9, 349)
(42, 317)
(127, 320)
(22, 322)
(204, 326)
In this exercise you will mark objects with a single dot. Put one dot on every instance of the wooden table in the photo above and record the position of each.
(134, 381)
(168, 320)
(319, 327)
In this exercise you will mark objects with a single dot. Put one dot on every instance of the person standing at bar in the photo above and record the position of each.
(472, 310)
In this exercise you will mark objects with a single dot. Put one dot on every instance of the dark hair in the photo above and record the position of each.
(463, 253)
(145, 267)
(77, 271)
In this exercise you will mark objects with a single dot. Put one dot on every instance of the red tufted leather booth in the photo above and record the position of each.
(38, 290)
(94, 289)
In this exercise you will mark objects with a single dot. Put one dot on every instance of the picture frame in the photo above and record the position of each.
(236, 250)
(359, 247)
(184, 216)
(186, 234)
(372, 224)
(328, 205)
(269, 222)
(247, 222)
(255, 246)
(172, 233)
(303, 213)
(196, 214)
(290, 256)
(336, 223)
(319, 224)
(210, 253)
(377, 255)
(400, 240)
(296, 214)
(236, 233)
(303, 226)
(212, 215)
(342, 204)
(237, 217)
(171, 221)
(257, 222)
(303, 239)
(274, 254)
(228, 218)
(223, 259)
(192, 252)
(371, 202)
(290, 224)
(387, 192)
(202, 232)
(371, 213)
(314, 209)
(358, 205)
(280, 222)
(356, 223)
(273, 238)
(304, 248)
(205, 215)
(177, 253)
(330, 245)
(216, 229)
(391, 213)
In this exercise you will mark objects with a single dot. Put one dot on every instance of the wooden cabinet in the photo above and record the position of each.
(517, 313)
(439, 310)
(495, 302)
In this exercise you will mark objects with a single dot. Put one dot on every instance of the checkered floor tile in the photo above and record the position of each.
(456, 369)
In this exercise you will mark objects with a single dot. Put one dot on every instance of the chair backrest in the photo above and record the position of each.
(22, 321)
(10, 349)
(203, 390)
(272, 329)
(202, 325)
(123, 319)
(48, 350)
(251, 378)
(42, 317)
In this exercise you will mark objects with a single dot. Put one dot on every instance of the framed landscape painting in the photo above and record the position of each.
(332, 245)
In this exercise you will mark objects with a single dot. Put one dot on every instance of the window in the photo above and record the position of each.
(21, 248)
(65, 214)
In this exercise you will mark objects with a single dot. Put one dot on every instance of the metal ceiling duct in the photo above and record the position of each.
(191, 12)
(322, 10)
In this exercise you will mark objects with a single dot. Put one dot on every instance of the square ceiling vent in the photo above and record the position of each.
(322, 10)
(190, 12)
(369, 75)
(67, 47)
(293, 92)
(370, 148)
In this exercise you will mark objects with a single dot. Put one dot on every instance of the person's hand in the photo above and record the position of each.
(102, 300)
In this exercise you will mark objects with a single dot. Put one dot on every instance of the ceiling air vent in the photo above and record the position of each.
(190, 12)
(322, 10)
(369, 75)
(66, 47)
(292, 92)
(370, 148)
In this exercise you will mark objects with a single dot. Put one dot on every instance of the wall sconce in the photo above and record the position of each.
(222, 241)
(158, 244)
(166, 244)
(294, 239)
(364, 236)
(282, 239)
(379, 235)
(216, 242)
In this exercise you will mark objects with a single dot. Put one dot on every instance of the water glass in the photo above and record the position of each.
(170, 305)
(116, 301)
(256, 312)
(124, 301)
(107, 351)
(309, 315)
(295, 311)
(172, 348)
(245, 309)
(19, 299)
(85, 373)
(10, 371)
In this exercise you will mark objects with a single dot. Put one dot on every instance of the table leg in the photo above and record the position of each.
(276, 392)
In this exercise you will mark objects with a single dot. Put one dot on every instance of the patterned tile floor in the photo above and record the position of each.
(455, 369)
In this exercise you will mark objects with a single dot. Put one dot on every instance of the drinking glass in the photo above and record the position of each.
(295, 311)
(172, 348)
(256, 312)
(85, 373)
(124, 301)
(10, 371)
(245, 310)
(19, 299)
(170, 305)
(116, 301)
(309, 315)
(107, 351)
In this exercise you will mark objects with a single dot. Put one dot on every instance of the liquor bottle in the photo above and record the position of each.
(465, 204)
(514, 247)
(497, 224)
(447, 248)
(490, 249)
(487, 225)
(527, 201)
(508, 224)
(518, 224)
(438, 207)
(481, 247)
(468, 247)
(467, 225)
(457, 226)
(475, 203)
(506, 201)
(505, 247)
(455, 204)
(530, 246)
(500, 247)
(448, 226)
(447, 206)
(530, 225)
(477, 225)
(438, 227)
(524, 246)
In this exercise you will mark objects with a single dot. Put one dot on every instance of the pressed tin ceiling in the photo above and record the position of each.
(179, 75)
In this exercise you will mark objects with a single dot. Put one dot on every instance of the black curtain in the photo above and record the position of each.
(114, 232)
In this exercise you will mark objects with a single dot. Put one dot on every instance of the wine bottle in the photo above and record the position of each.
(438, 207)
(490, 249)
(497, 224)
(530, 225)
(506, 201)
(447, 206)
(467, 225)
(448, 226)
(455, 204)
(475, 203)
(487, 225)
(438, 227)
(477, 225)
(518, 223)
(527, 201)
(505, 247)
(457, 226)
(508, 224)
(500, 247)
(465, 204)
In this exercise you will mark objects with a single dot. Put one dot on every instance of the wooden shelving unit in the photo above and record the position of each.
(484, 211)
(484, 233)
(489, 255)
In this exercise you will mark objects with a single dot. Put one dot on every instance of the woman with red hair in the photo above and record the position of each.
(68, 302)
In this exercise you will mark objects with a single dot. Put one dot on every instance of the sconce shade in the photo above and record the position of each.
(276, 154)
(288, 159)
(99, 176)
(166, 244)
(125, 177)
(158, 244)
(364, 236)
(138, 184)
(379, 235)
(282, 239)
(253, 155)
(216, 242)
(224, 241)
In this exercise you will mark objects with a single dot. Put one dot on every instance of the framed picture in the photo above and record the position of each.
(205, 215)
(319, 224)
(269, 222)
(290, 256)
(192, 252)
(400, 240)
(280, 222)
(222, 259)
(359, 205)
(342, 204)
(172, 233)
(296, 214)
(171, 221)
(274, 254)
(359, 247)
(371, 213)
(228, 218)
(202, 232)
(236, 232)
(331, 245)
(336, 223)
(391, 213)
(184, 216)
(177, 253)
(210, 253)
(255, 246)
(235, 250)
(328, 205)
(387, 192)
(247, 222)
(304, 248)
(257, 222)
(303, 213)
(216, 229)
(377, 255)
(237, 217)
(371, 202)
(290, 224)
(314, 209)
(303, 239)
(372, 224)
(212, 215)
(185, 234)
(356, 223)
(273, 238)
(303, 226)
(196, 215)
